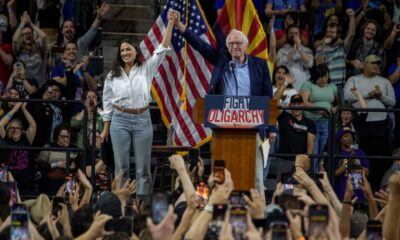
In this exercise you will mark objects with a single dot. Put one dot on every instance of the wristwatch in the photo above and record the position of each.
(209, 208)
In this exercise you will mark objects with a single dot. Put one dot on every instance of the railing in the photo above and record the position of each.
(68, 150)
(331, 144)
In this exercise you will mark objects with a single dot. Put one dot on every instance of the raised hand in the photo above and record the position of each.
(103, 9)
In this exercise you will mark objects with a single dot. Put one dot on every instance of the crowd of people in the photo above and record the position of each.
(327, 54)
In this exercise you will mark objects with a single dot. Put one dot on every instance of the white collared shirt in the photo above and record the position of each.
(131, 91)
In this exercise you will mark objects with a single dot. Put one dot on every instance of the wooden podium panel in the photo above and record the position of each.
(238, 148)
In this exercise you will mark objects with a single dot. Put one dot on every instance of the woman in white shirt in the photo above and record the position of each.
(126, 115)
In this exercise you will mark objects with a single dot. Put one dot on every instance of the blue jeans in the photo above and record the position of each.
(321, 137)
(133, 129)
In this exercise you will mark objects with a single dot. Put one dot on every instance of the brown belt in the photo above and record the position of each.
(131, 110)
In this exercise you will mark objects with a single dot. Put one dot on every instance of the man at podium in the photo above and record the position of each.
(235, 73)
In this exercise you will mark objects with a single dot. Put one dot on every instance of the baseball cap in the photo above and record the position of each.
(297, 98)
(372, 59)
(342, 131)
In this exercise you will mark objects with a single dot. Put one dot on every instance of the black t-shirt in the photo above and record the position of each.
(293, 133)
(19, 85)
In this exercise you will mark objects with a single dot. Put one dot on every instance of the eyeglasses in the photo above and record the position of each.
(14, 128)
(63, 136)
(235, 43)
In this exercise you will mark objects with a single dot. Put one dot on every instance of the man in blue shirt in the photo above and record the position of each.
(234, 73)
(74, 74)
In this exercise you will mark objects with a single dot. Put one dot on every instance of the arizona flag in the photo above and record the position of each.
(242, 15)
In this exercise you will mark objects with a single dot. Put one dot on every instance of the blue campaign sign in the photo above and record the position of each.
(236, 111)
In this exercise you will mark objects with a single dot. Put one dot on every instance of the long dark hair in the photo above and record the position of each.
(60, 37)
(276, 70)
(118, 62)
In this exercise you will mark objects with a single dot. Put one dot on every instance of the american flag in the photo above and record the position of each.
(169, 83)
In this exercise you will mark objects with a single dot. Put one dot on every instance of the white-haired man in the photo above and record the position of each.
(251, 72)
(235, 73)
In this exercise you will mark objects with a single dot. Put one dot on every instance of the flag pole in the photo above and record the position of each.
(183, 94)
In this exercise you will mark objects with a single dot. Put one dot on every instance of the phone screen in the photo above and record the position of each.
(12, 188)
(219, 170)
(194, 154)
(19, 225)
(356, 178)
(237, 198)
(3, 173)
(70, 184)
(159, 207)
(238, 221)
(318, 217)
(202, 194)
(374, 230)
(279, 230)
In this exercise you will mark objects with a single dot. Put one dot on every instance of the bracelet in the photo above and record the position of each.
(286, 84)
(98, 17)
(209, 208)
(347, 202)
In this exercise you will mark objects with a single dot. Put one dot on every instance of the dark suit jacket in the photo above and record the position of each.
(260, 82)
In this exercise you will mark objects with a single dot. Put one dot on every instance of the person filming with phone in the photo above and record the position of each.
(18, 80)
(373, 134)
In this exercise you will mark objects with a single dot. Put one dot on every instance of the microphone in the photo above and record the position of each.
(232, 66)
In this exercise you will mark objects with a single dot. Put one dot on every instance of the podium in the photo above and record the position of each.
(232, 141)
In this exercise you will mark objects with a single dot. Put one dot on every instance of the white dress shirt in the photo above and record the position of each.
(131, 91)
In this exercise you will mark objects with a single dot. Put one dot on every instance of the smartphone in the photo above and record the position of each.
(12, 188)
(70, 184)
(318, 215)
(279, 230)
(288, 181)
(356, 176)
(19, 223)
(56, 207)
(219, 212)
(202, 194)
(19, 66)
(374, 230)
(159, 206)
(3, 173)
(237, 198)
(219, 170)
(290, 202)
(193, 157)
(238, 221)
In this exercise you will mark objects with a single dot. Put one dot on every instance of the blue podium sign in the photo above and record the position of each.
(236, 112)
